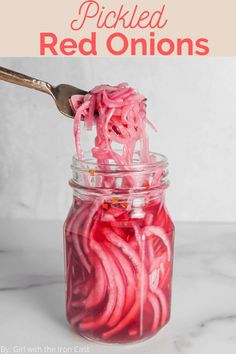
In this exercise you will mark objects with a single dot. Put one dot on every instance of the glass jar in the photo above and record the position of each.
(118, 250)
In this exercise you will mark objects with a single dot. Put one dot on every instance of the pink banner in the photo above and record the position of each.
(118, 28)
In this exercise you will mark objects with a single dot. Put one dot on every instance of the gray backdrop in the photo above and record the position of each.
(191, 101)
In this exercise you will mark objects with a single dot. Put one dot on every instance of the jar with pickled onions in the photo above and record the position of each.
(118, 240)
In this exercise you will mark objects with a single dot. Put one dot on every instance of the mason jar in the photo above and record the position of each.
(118, 239)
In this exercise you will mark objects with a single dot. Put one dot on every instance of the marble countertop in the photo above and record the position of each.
(32, 317)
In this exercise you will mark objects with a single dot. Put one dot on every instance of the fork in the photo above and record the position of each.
(60, 93)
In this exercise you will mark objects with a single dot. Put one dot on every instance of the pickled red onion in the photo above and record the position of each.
(119, 114)
(121, 286)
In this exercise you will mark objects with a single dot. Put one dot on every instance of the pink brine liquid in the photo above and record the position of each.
(118, 268)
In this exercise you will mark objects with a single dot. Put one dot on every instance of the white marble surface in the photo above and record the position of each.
(32, 293)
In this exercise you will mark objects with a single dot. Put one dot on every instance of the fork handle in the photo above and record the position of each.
(24, 80)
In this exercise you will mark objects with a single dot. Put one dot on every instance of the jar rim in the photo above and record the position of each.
(88, 162)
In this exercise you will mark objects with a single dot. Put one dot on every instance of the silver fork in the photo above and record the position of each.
(60, 93)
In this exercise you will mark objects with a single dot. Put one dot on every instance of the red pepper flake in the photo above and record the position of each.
(124, 204)
(91, 172)
(116, 130)
(115, 201)
(105, 206)
(146, 184)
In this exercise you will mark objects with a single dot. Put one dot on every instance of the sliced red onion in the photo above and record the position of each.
(159, 232)
(156, 310)
(99, 288)
(164, 306)
(127, 272)
(111, 302)
(142, 282)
